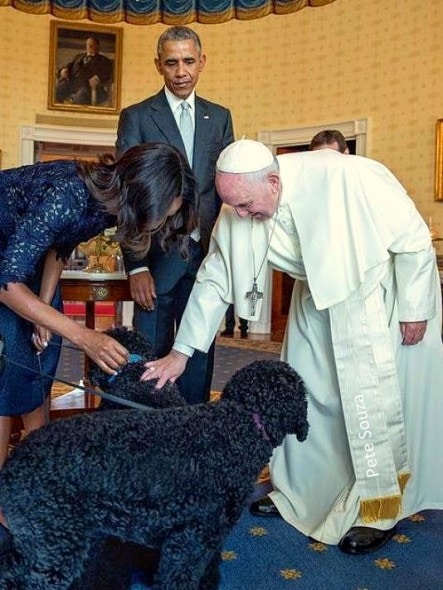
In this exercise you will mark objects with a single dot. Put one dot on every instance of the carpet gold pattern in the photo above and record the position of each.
(250, 344)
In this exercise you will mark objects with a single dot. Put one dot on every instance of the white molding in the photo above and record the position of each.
(29, 134)
(356, 129)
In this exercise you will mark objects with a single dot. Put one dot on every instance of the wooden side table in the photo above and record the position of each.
(78, 285)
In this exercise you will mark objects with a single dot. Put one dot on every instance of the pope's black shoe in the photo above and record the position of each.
(360, 540)
(264, 507)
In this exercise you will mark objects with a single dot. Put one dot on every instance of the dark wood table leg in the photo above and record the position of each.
(89, 323)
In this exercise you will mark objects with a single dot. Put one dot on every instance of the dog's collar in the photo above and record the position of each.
(260, 425)
(133, 358)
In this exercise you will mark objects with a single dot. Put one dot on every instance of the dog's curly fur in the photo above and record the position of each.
(175, 479)
(126, 384)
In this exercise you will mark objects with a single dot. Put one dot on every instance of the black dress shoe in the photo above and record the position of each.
(264, 507)
(360, 540)
(243, 333)
(227, 333)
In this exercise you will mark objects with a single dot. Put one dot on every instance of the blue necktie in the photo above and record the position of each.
(187, 130)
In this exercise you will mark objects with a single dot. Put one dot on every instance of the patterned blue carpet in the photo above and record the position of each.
(269, 554)
(231, 355)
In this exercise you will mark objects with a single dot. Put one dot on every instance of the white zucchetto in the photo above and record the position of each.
(243, 156)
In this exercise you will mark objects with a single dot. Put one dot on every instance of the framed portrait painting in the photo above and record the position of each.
(85, 68)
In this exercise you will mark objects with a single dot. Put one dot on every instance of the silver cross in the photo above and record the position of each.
(254, 295)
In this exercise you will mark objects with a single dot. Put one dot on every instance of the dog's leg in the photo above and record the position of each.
(52, 554)
(105, 568)
(11, 572)
(185, 557)
(211, 577)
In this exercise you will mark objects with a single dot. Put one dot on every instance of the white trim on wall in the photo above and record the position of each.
(356, 129)
(29, 134)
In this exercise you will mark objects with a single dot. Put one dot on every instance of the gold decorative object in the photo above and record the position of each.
(100, 292)
(101, 253)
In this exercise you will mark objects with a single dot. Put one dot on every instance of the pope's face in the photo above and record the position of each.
(180, 64)
(258, 199)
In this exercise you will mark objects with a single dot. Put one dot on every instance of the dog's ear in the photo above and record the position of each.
(135, 342)
(290, 396)
(275, 391)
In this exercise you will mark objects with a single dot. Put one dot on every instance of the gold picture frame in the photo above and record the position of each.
(85, 68)
(439, 161)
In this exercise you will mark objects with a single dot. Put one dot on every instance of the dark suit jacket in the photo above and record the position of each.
(98, 65)
(152, 120)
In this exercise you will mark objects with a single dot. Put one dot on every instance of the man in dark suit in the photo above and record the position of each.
(161, 282)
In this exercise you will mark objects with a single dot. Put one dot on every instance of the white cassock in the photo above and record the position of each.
(346, 229)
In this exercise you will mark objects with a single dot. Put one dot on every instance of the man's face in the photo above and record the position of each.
(249, 199)
(91, 46)
(180, 64)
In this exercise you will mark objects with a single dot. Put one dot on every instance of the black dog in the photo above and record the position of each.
(175, 479)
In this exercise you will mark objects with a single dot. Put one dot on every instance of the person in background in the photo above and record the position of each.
(329, 138)
(230, 324)
(162, 281)
(86, 79)
(46, 210)
(363, 332)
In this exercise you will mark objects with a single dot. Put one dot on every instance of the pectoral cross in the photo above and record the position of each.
(254, 295)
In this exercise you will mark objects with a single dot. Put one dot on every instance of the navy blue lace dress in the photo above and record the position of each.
(42, 207)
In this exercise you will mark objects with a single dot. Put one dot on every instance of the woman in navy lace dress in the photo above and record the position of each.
(46, 210)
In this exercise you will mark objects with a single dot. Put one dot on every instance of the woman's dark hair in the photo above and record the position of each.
(139, 188)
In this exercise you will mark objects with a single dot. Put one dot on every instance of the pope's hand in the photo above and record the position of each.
(168, 368)
(412, 332)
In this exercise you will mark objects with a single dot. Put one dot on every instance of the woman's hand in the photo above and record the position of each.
(168, 368)
(106, 352)
(41, 337)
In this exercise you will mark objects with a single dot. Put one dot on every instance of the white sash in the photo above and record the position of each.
(371, 402)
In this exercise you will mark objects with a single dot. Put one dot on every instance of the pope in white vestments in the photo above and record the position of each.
(365, 271)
